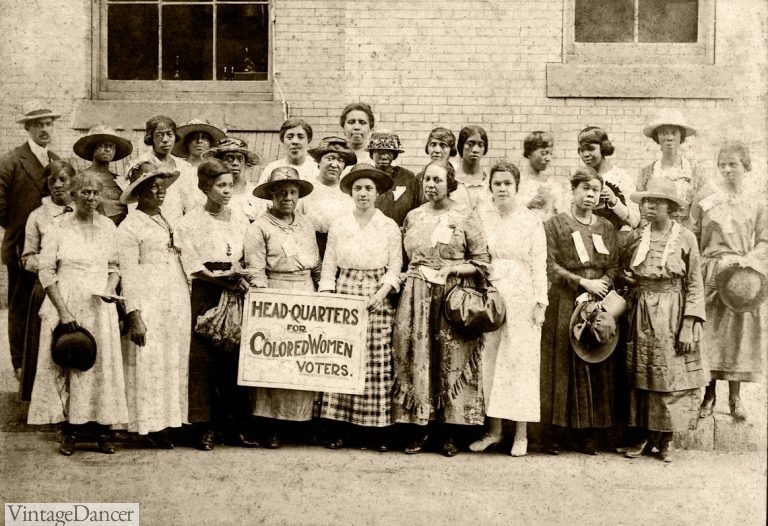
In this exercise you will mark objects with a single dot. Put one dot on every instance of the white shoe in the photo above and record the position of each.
(519, 447)
(484, 443)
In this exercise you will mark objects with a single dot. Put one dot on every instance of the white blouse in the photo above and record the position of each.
(326, 204)
(377, 245)
(212, 239)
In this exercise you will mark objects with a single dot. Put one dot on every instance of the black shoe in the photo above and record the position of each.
(335, 443)
(207, 441)
(418, 445)
(159, 440)
(553, 448)
(67, 447)
(241, 439)
(105, 444)
(382, 447)
(449, 448)
(274, 442)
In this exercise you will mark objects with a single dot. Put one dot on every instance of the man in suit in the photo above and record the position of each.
(21, 191)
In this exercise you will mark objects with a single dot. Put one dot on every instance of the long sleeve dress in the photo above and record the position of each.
(217, 244)
(403, 197)
(438, 368)
(79, 257)
(664, 387)
(282, 256)
(357, 262)
(518, 248)
(154, 283)
(574, 393)
(38, 223)
(733, 224)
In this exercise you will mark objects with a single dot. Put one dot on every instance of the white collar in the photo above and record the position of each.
(39, 151)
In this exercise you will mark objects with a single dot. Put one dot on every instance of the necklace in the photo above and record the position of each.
(579, 220)
(662, 234)
(214, 214)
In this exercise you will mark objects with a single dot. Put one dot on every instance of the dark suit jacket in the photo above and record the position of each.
(21, 190)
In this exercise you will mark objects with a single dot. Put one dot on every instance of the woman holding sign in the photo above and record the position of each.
(364, 258)
(281, 251)
(438, 368)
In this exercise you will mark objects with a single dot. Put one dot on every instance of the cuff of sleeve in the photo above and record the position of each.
(393, 281)
(47, 280)
(327, 284)
(258, 282)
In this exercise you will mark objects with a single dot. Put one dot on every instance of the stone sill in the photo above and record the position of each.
(639, 81)
(258, 116)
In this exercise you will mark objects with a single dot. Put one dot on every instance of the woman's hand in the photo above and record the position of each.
(598, 287)
(239, 285)
(538, 314)
(445, 272)
(109, 292)
(607, 195)
(67, 319)
(137, 331)
(689, 335)
(376, 301)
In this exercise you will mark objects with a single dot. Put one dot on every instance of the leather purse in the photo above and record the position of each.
(476, 308)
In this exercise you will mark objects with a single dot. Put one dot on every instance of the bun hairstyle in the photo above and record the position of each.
(443, 135)
(595, 135)
(450, 174)
(467, 132)
(537, 140)
(357, 106)
(207, 173)
(153, 123)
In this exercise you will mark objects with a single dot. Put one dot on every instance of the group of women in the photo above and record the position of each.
(136, 263)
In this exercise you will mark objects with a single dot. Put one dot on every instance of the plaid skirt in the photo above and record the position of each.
(373, 408)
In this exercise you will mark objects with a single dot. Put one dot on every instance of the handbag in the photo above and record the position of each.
(478, 308)
(221, 325)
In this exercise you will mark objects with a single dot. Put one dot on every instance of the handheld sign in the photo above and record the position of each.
(310, 341)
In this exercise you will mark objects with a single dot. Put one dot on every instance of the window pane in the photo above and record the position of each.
(132, 47)
(605, 21)
(187, 42)
(242, 41)
(669, 20)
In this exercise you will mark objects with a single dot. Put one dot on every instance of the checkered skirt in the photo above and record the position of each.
(372, 408)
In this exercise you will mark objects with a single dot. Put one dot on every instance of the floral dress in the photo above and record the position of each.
(438, 367)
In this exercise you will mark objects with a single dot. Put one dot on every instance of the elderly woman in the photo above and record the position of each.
(236, 156)
(441, 146)
(160, 135)
(732, 227)
(581, 257)
(102, 146)
(539, 190)
(403, 195)
(215, 232)
(295, 136)
(78, 268)
(157, 305)
(364, 258)
(327, 202)
(518, 249)
(196, 137)
(58, 176)
(281, 253)
(669, 130)
(357, 121)
(614, 205)
(663, 361)
(438, 370)
(472, 189)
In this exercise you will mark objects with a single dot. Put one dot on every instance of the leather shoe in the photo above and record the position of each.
(707, 407)
(641, 448)
(737, 410)
(417, 446)
(242, 440)
(274, 442)
(159, 440)
(105, 444)
(553, 448)
(336, 443)
(382, 447)
(450, 449)
(67, 447)
(207, 441)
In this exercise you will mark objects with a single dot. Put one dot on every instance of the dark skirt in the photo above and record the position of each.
(31, 342)
(574, 393)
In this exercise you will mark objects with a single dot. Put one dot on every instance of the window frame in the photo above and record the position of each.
(102, 88)
(701, 52)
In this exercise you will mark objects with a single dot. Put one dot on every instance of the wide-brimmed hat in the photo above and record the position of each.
(34, 110)
(380, 178)
(143, 172)
(334, 145)
(74, 349)
(742, 289)
(662, 188)
(381, 140)
(668, 117)
(232, 145)
(85, 145)
(593, 329)
(195, 125)
(280, 176)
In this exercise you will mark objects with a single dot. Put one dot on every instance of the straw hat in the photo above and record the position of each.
(384, 141)
(334, 145)
(195, 125)
(85, 145)
(34, 110)
(660, 187)
(140, 174)
(382, 181)
(73, 349)
(280, 176)
(593, 331)
(668, 117)
(742, 289)
(232, 145)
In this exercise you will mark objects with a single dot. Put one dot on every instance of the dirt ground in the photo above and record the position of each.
(300, 485)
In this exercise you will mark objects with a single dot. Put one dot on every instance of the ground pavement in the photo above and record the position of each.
(304, 485)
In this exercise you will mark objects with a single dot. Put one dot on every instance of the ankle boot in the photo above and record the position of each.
(708, 404)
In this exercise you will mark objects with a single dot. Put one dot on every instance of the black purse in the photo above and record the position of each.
(476, 307)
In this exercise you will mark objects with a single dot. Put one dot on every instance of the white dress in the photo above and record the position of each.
(326, 204)
(518, 249)
(155, 284)
(79, 257)
(183, 195)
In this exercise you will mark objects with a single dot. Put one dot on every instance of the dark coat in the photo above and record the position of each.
(21, 190)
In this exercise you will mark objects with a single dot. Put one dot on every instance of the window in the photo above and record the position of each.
(183, 49)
